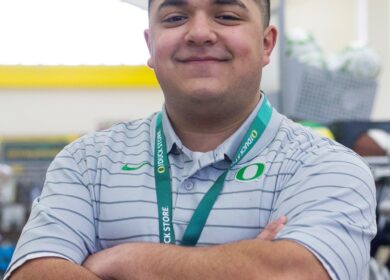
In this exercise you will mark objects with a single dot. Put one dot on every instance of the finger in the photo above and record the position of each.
(268, 234)
(276, 224)
(270, 231)
(283, 220)
(272, 226)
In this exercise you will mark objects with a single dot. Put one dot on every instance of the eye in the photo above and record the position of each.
(174, 19)
(228, 17)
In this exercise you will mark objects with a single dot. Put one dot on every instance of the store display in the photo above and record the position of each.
(24, 162)
(12, 217)
(7, 185)
(360, 61)
(356, 59)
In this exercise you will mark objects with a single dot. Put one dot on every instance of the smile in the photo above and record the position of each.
(201, 60)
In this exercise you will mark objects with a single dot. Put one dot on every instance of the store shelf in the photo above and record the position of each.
(380, 166)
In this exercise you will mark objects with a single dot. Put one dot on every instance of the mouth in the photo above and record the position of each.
(201, 59)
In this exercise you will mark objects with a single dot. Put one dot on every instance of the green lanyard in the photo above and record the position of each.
(163, 180)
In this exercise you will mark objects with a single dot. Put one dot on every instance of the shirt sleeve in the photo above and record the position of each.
(330, 204)
(61, 223)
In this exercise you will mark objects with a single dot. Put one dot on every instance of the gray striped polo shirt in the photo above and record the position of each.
(100, 192)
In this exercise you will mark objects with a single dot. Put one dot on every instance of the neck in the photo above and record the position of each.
(203, 129)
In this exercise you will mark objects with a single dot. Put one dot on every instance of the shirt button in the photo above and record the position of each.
(188, 185)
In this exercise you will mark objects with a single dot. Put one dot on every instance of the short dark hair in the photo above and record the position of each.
(265, 7)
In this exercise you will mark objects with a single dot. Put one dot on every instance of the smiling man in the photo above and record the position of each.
(218, 185)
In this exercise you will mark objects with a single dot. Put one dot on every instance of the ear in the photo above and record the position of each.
(269, 42)
(149, 44)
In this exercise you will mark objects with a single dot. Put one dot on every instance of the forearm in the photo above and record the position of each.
(218, 262)
(52, 268)
(250, 259)
(260, 258)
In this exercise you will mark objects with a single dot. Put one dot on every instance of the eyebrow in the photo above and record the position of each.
(169, 3)
(230, 2)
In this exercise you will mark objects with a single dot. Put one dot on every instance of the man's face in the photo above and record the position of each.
(204, 49)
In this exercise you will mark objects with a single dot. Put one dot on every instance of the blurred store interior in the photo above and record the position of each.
(68, 68)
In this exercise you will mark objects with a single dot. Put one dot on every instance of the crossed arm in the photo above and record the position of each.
(260, 258)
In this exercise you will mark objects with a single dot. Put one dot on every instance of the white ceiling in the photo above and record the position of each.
(139, 3)
(100, 32)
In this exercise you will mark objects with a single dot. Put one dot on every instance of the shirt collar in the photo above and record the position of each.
(174, 144)
(228, 148)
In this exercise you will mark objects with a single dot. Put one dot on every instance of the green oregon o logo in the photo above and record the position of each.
(161, 169)
(250, 172)
(254, 134)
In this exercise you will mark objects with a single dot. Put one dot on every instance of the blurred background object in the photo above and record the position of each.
(71, 67)
(139, 3)
(7, 185)
(356, 59)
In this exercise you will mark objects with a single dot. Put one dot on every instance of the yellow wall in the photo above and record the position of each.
(63, 99)
(44, 111)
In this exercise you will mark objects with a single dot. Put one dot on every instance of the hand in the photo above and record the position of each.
(271, 230)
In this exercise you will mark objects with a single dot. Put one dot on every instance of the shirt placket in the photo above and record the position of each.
(190, 185)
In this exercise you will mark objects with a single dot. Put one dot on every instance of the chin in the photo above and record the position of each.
(205, 95)
(204, 89)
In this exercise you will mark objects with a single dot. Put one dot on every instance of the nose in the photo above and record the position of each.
(200, 31)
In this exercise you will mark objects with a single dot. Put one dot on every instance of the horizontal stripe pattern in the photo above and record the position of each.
(89, 203)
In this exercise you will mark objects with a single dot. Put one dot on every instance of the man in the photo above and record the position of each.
(212, 170)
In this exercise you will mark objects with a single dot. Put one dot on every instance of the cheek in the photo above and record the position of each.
(164, 50)
(247, 47)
